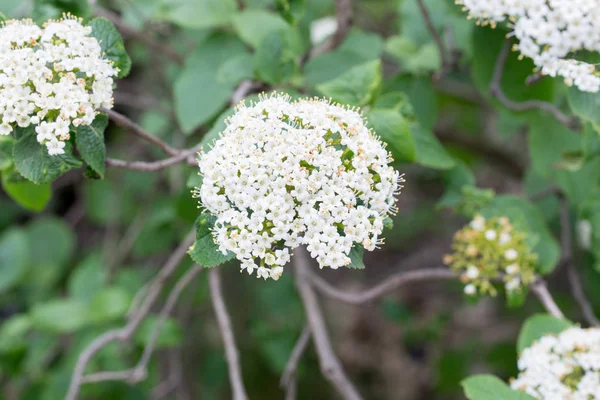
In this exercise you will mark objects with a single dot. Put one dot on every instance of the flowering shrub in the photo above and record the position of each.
(562, 366)
(488, 250)
(54, 77)
(288, 173)
(549, 31)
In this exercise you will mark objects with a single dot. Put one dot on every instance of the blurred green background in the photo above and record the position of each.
(70, 269)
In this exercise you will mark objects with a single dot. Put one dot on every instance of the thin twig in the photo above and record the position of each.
(496, 91)
(288, 378)
(534, 78)
(542, 194)
(144, 37)
(330, 365)
(344, 20)
(187, 156)
(574, 279)
(140, 371)
(389, 284)
(444, 60)
(134, 128)
(125, 333)
(224, 321)
(242, 91)
(540, 289)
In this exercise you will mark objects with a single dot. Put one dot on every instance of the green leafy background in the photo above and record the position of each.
(79, 239)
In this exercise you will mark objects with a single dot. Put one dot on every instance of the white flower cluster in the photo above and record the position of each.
(289, 173)
(548, 31)
(562, 367)
(53, 77)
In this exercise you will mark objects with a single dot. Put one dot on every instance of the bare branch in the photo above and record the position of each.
(134, 128)
(242, 91)
(389, 284)
(540, 289)
(126, 30)
(330, 365)
(288, 378)
(344, 21)
(496, 91)
(444, 59)
(186, 156)
(125, 333)
(140, 371)
(574, 279)
(224, 321)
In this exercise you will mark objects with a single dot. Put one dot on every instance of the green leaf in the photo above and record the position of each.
(33, 161)
(112, 44)
(356, 257)
(400, 47)
(527, 218)
(170, 334)
(253, 26)
(236, 69)
(275, 59)
(394, 130)
(109, 304)
(199, 93)
(358, 86)
(88, 278)
(53, 240)
(198, 14)
(205, 251)
(6, 150)
(358, 48)
(60, 316)
(290, 10)
(488, 387)
(90, 143)
(429, 151)
(585, 105)
(547, 143)
(539, 325)
(13, 332)
(2, 17)
(14, 258)
(27, 194)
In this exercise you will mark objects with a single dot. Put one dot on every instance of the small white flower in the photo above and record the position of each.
(472, 272)
(512, 269)
(513, 284)
(478, 223)
(511, 254)
(490, 234)
(504, 238)
(470, 289)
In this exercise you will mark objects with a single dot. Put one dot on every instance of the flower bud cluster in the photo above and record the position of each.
(563, 366)
(549, 31)
(53, 77)
(285, 174)
(488, 250)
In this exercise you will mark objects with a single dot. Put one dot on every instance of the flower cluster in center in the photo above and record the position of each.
(54, 77)
(489, 249)
(549, 31)
(564, 366)
(288, 173)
